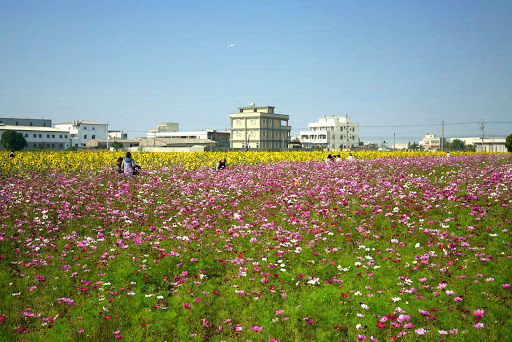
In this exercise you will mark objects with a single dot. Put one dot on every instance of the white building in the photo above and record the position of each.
(331, 133)
(40, 138)
(489, 144)
(83, 130)
(117, 135)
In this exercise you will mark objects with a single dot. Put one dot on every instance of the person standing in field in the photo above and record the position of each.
(221, 164)
(350, 157)
(11, 155)
(338, 158)
(128, 165)
(329, 159)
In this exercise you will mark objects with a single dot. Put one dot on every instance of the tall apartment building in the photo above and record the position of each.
(259, 128)
(83, 130)
(331, 133)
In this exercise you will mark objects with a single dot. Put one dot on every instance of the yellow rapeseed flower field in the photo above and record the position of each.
(93, 160)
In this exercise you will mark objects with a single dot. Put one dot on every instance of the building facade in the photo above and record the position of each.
(83, 130)
(485, 145)
(432, 143)
(220, 140)
(331, 133)
(117, 135)
(259, 128)
(40, 138)
(26, 122)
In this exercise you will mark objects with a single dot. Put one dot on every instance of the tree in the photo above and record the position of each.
(508, 143)
(457, 145)
(12, 140)
(117, 145)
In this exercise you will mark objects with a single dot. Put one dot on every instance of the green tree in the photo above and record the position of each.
(117, 145)
(457, 145)
(508, 143)
(12, 140)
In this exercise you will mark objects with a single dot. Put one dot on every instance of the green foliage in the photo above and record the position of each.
(508, 143)
(457, 145)
(12, 140)
(73, 148)
(117, 145)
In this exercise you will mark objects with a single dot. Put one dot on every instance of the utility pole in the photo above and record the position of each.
(394, 136)
(482, 126)
(442, 136)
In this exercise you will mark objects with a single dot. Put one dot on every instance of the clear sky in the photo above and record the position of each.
(134, 64)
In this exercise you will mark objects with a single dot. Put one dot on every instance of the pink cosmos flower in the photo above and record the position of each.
(205, 322)
(278, 312)
(186, 306)
(420, 331)
(479, 325)
(479, 312)
(256, 328)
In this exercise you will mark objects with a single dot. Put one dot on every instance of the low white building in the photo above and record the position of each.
(486, 145)
(40, 138)
(83, 130)
(331, 133)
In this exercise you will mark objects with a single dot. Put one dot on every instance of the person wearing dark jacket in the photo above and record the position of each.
(221, 164)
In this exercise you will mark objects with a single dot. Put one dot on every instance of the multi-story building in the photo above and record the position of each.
(432, 143)
(40, 138)
(83, 130)
(259, 128)
(331, 133)
(165, 128)
(26, 122)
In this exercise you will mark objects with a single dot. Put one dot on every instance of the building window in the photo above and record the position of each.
(53, 145)
(48, 145)
(44, 125)
(53, 136)
(253, 133)
(65, 136)
(264, 133)
(237, 133)
(93, 136)
(85, 136)
(238, 122)
(40, 135)
(26, 135)
(257, 145)
(31, 124)
(85, 128)
(341, 129)
(60, 145)
(270, 145)
(47, 136)
(35, 135)
(254, 110)
(16, 123)
(93, 128)
(60, 136)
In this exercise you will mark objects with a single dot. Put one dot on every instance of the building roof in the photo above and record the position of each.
(256, 107)
(114, 140)
(86, 122)
(32, 128)
(182, 141)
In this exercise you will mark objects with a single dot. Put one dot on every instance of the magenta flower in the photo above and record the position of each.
(479, 325)
(420, 331)
(479, 313)
(256, 328)
(186, 306)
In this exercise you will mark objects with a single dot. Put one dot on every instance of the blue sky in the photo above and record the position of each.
(134, 64)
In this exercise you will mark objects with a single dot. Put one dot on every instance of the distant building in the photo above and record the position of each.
(177, 145)
(102, 143)
(40, 138)
(489, 144)
(259, 128)
(26, 122)
(166, 127)
(83, 130)
(220, 139)
(331, 133)
(117, 135)
(432, 143)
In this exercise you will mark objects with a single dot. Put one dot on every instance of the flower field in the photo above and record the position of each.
(277, 247)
